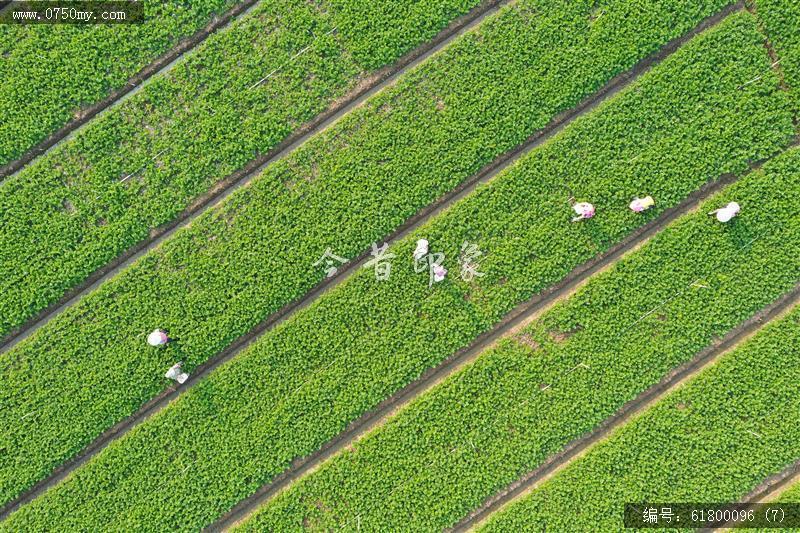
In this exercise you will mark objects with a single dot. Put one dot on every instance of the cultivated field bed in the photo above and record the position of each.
(303, 382)
(714, 440)
(562, 375)
(53, 74)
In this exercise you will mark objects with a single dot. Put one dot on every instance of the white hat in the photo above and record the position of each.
(421, 250)
(157, 338)
(728, 212)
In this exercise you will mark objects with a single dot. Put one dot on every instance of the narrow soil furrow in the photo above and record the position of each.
(368, 420)
(769, 490)
(773, 486)
(647, 398)
(160, 65)
(382, 79)
(773, 54)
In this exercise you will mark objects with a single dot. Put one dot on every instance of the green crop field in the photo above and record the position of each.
(52, 73)
(536, 392)
(181, 274)
(715, 439)
(264, 199)
(142, 164)
(86, 219)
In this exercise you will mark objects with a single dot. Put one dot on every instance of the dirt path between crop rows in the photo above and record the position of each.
(367, 421)
(217, 194)
(159, 65)
(646, 399)
(772, 487)
(768, 490)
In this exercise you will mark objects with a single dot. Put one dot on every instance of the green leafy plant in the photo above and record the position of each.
(712, 440)
(144, 163)
(51, 73)
(303, 382)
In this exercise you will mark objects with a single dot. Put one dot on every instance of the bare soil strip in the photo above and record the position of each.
(770, 489)
(370, 419)
(643, 401)
(380, 80)
(159, 65)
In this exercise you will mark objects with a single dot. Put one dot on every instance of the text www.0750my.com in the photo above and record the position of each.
(36, 12)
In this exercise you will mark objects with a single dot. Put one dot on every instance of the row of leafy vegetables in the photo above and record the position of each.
(147, 160)
(303, 382)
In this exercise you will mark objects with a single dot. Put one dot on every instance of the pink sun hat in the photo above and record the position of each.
(583, 210)
(642, 204)
(157, 337)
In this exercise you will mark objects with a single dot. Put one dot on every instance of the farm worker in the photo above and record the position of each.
(421, 250)
(157, 338)
(176, 374)
(726, 213)
(583, 210)
(642, 204)
(439, 272)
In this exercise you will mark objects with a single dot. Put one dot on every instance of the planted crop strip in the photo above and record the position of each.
(606, 46)
(158, 158)
(160, 301)
(303, 382)
(234, 237)
(58, 77)
(713, 440)
(522, 402)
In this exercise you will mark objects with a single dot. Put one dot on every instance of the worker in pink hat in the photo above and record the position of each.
(639, 205)
(584, 210)
(158, 337)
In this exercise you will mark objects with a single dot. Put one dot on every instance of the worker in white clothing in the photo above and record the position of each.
(421, 250)
(725, 214)
(158, 337)
(584, 210)
(176, 373)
